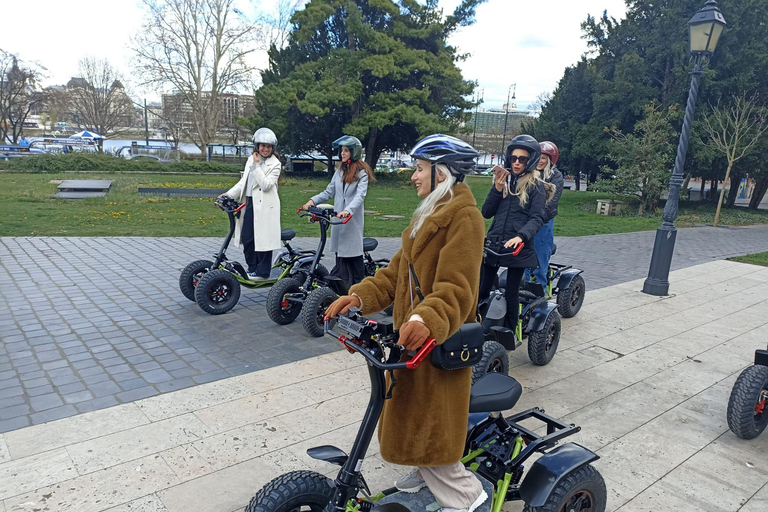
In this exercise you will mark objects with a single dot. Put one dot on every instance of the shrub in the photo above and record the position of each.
(107, 163)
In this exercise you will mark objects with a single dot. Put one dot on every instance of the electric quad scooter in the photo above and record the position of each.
(215, 285)
(496, 447)
(318, 300)
(538, 320)
(318, 289)
(288, 296)
(565, 284)
(747, 414)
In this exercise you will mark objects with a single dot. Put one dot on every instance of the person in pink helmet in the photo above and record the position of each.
(544, 239)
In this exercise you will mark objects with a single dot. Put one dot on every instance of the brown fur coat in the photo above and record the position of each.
(425, 421)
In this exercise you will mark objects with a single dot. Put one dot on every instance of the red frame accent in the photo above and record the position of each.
(422, 354)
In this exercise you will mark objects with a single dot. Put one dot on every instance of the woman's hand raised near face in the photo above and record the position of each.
(500, 175)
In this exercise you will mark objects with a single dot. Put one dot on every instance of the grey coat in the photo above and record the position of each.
(346, 239)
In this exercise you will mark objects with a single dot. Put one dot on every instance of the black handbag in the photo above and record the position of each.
(463, 349)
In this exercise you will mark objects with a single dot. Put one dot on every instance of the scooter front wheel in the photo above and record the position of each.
(297, 491)
(313, 312)
(217, 292)
(747, 415)
(191, 275)
(281, 310)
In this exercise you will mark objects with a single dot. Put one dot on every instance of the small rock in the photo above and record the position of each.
(385, 198)
(392, 217)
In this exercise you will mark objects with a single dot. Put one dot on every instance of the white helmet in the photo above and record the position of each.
(265, 136)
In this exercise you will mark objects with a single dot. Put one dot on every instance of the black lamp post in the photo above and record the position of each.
(704, 32)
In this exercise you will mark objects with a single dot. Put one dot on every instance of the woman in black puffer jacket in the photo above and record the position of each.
(516, 203)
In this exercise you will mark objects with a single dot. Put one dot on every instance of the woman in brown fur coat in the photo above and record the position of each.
(424, 424)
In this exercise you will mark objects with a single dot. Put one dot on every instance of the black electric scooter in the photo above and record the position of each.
(538, 321)
(215, 285)
(747, 414)
(496, 448)
(565, 284)
(287, 297)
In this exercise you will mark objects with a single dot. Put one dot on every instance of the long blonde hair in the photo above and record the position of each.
(525, 182)
(430, 203)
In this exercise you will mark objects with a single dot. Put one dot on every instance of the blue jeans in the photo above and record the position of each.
(542, 243)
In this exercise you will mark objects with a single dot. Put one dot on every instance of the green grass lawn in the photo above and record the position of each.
(26, 208)
(760, 258)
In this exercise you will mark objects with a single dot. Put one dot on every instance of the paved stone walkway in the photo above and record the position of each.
(646, 378)
(89, 323)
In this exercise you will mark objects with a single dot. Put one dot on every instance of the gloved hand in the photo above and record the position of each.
(342, 305)
(413, 334)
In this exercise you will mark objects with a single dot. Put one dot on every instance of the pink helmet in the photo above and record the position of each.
(550, 149)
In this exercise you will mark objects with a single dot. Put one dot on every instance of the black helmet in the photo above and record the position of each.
(353, 144)
(444, 149)
(527, 143)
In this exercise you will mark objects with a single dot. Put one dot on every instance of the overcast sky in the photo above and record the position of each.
(528, 43)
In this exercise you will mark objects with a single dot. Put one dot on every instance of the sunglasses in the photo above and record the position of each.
(522, 159)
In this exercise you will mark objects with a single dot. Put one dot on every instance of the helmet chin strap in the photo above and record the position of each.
(432, 186)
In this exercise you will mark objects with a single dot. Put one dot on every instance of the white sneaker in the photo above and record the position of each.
(410, 482)
(256, 279)
(479, 501)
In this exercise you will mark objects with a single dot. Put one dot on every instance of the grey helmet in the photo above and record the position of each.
(353, 144)
(265, 136)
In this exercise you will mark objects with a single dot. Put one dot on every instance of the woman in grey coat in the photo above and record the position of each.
(348, 188)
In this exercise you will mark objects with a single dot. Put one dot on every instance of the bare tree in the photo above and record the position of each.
(279, 23)
(99, 97)
(18, 96)
(198, 48)
(734, 130)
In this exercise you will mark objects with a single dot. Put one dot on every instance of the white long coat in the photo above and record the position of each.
(266, 202)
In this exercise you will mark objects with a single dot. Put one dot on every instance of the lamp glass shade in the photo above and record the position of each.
(705, 29)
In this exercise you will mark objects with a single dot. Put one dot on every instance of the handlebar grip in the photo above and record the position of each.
(422, 354)
(518, 249)
(347, 219)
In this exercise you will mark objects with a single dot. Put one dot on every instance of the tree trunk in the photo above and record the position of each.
(578, 176)
(722, 193)
(686, 181)
(701, 191)
(761, 187)
(734, 190)
(371, 151)
(712, 190)
(329, 156)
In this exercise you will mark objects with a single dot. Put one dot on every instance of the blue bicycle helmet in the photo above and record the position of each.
(456, 154)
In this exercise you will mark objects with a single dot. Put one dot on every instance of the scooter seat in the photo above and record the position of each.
(287, 234)
(494, 392)
(370, 244)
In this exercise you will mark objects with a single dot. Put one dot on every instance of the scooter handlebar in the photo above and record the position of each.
(513, 253)
(357, 345)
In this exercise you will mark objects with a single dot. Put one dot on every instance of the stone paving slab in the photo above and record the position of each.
(651, 402)
(90, 323)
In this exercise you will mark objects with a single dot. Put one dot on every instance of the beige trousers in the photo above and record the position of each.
(454, 486)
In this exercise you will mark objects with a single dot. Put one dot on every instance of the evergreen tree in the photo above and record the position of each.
(379, 70)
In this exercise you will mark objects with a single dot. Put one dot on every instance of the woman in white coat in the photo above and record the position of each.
(348, 188)
(258, 231)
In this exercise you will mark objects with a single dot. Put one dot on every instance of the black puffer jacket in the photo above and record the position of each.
(550, 210)
(510, 219)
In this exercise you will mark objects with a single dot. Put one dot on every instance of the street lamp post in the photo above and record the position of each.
(479, 101)
(506, 118)
(705, 29)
